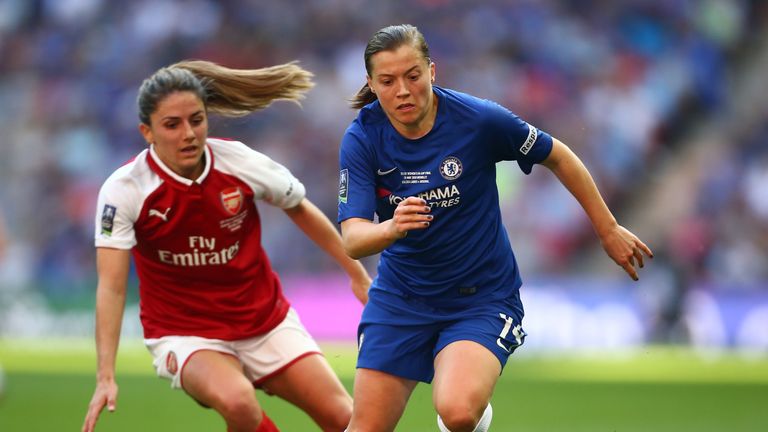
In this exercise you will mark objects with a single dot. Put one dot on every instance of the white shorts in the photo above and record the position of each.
(261, 356)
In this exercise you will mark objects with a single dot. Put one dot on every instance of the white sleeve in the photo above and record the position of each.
(117, 210)
(269, 180)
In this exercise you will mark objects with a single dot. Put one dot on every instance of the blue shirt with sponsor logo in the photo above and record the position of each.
(464, 256)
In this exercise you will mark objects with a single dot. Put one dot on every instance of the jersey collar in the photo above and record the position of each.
(160, 168)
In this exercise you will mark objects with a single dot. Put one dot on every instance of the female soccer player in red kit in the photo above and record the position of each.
(213, 312)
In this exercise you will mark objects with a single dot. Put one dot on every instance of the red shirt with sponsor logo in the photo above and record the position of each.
(197, 244)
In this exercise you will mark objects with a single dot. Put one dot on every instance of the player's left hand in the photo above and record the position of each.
(360, 286)
(625, 249)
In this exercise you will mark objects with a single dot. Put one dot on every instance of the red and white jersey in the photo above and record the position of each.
(197, 244)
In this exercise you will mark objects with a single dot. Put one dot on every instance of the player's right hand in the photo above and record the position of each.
(411, 214)
(104, 395)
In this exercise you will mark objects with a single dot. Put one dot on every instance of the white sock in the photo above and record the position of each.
(485, 421)
(482, 425)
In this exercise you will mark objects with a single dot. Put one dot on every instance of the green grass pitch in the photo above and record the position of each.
(48, 386)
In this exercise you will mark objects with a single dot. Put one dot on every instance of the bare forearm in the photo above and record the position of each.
(624, 248)
(364, 238)
(576, 178)
(112, 266)
(109, 316)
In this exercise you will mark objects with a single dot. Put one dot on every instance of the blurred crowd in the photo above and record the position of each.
(618, 81)
(723, 240)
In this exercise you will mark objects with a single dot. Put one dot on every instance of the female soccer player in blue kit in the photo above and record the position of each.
(445, 306)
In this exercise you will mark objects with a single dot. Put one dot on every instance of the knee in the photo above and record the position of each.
(337, 422)
(459, 417)
(337, 417)
(340, 420)
(239, 407)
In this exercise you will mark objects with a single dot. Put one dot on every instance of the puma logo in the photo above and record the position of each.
(163, 215)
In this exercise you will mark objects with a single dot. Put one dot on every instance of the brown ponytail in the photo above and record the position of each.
(363, 97)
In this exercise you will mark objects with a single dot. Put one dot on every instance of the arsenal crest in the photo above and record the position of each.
(171, 364)
(232, 200)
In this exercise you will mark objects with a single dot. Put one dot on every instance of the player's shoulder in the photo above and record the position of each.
(462, 106)
(481, 111)
(133, 171)
(455, 95)
(363, 130)
(234, 151)
(226, 147)
(235, 157)
(370, 117)
(131, 183)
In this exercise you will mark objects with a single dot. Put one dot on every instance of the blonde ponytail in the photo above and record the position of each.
(238, 92)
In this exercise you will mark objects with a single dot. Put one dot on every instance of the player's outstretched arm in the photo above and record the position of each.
(619, 243)
(112, 266)
(320, 230)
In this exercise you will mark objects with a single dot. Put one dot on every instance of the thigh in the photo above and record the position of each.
(472, 351)
(379, 400)
(310, 384)
(465, 375)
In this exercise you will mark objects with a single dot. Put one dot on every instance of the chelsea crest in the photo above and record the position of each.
(451, 168)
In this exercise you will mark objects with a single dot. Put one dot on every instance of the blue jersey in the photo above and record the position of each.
(464, 256)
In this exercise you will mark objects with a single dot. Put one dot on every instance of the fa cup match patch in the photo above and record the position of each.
(108, 219)
(343, 185)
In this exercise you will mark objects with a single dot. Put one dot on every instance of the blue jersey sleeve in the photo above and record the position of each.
(515, 139)
(357, 188)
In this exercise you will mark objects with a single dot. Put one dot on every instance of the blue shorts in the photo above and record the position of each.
(408, 350)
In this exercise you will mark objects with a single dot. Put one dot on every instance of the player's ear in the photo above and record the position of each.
(146, 132)
(432, 71)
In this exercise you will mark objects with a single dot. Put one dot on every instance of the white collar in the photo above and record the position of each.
(177, 177)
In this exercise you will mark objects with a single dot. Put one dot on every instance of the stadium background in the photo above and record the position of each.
(664, 100)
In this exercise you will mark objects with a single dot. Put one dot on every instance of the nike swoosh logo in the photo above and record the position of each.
(381, 173)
